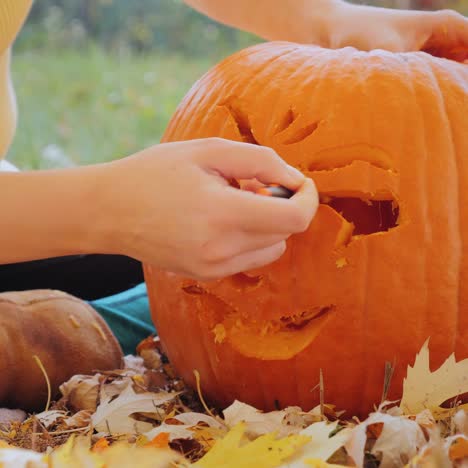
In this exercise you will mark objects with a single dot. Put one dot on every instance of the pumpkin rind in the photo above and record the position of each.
(373, 129)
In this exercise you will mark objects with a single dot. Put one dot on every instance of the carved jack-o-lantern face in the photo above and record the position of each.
(383, 264)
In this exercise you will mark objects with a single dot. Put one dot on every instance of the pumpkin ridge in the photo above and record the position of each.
(435, 75)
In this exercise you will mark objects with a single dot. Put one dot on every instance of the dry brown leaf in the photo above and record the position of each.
(134, 364)
(48, 418)
(80, 419)
(256, 422)
(397, 443)
(460, 421)
(81, 392)
(187, 426)
(114, 414)
(458, 448)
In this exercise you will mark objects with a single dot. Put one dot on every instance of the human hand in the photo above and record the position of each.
(442, 33)
(172, 206)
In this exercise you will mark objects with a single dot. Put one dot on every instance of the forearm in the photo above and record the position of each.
(12, 15)
(292, 20)
(48, 214)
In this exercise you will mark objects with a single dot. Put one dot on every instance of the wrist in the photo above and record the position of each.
(98, 221)
(73, 210)
(313, 22)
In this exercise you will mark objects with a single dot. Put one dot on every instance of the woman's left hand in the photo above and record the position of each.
(442, 33)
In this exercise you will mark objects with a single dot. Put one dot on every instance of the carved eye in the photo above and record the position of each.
(366, 216)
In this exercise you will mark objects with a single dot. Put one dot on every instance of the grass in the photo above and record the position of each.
(91, 106)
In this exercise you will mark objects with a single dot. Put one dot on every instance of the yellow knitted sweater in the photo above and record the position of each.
(12, 16)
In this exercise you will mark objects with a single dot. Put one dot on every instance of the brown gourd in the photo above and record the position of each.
(66, 334)
(384, 264)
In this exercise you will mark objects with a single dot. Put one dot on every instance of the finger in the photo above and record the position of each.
(307, 198)
(237, 243)
(446, 35)
(237, 160)
(250, 185)
(258, 213)
(250, 260)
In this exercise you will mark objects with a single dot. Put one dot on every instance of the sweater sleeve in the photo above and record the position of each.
(12, 16)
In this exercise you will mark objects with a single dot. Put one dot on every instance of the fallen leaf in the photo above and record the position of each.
(256, 422)
(124, 455)
(81, 392)
(78, 420)
(151, 358)
(236, 451)
(398, 442)
(433, 455)
(135, 364)
(458, 449)
(174, 431)
(317, 463)
(21, 458)
(193, 419)
(76, 454)
(425, 419)
(425, 389)
(186, 428)
(160, 441)
(47, 418)
(114, 415)
(320, 447)
(100, 445)
(461, 422)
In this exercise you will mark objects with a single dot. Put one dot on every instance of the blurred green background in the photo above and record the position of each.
(99, 79)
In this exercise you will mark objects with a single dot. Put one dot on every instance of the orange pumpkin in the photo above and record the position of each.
(384, 264)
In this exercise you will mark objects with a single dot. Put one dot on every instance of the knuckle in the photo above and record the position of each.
(280, 249)
(448, 15)
(270, 154)
(215, 255)
(300, 222)
(215, 252)
(212, 142)
(212, 273)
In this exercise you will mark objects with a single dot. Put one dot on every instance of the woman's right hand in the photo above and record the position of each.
(172, 206)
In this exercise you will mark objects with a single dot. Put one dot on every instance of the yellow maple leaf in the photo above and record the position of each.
(317, 463)
(75, 453)
(425, 389)
(236, 451)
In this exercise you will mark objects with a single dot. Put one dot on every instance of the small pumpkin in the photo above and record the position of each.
(66, 335)
(384, 264)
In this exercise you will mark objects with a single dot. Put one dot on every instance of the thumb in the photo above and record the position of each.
(233, 159)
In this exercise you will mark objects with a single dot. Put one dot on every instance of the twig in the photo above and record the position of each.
(33, 435)
(205, 406)
(46, 377)
(322, 395)
(389, 369)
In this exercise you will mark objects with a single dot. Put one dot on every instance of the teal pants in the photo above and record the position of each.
(128, 316)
